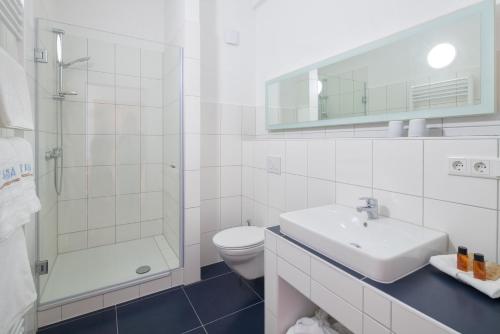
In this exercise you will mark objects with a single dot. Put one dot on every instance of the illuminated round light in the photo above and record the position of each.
(320, 87)
(441, 55)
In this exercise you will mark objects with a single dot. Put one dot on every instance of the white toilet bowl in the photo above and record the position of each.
(242, 248)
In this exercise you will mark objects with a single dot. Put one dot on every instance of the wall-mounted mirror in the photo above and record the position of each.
(441, 68)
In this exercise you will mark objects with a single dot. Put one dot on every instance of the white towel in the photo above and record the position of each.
(11, 190)
(17, 289)
(24, 155)
(15, 105)
(448, 265)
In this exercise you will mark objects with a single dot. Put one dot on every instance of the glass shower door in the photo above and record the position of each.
(109, 114)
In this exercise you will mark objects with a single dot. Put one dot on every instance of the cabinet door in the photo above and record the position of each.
(405, 321)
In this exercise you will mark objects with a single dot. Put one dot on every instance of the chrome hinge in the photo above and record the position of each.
(42, 267)
(41, 55)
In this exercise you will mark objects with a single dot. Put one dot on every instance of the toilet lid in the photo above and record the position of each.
(239, 237)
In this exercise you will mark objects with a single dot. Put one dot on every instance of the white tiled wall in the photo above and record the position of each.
(408, 176)
(222, 130)
(113, 143)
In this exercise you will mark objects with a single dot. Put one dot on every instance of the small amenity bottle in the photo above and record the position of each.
(479, 267)
(462, 258)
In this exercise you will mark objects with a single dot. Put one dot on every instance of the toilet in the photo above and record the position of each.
(242, 249)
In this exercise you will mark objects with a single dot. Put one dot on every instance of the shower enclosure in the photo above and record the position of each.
(109, 156)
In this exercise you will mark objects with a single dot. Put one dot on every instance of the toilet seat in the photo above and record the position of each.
(242, 239)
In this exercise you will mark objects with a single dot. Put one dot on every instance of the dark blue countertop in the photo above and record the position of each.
(436, 295)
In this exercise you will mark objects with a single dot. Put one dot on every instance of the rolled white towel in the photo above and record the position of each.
(24, 155)
(11, 190)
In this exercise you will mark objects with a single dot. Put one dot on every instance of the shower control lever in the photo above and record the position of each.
(54, 153)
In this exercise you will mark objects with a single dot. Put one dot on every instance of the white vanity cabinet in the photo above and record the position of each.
(297, 281)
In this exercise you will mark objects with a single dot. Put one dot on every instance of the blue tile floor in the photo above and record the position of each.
(222, 303)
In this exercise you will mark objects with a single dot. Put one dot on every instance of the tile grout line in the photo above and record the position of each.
(251, 288)
(235, 312)
(194, 310)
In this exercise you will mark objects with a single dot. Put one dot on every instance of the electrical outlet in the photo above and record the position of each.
(480, 167)
(458, 166)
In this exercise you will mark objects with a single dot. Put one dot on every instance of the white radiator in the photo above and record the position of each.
(457, 91)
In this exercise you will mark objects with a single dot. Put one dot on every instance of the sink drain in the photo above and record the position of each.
(143, 269)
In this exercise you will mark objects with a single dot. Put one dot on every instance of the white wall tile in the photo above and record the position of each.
(128, 149)
(74, 147)
(121, 296)
(277, 191)
(398, 166)
(230, 119)
(192, 264)
(127, 119)
(128, 232)
(260, 185)
(210, 150)
(247, 182)
(247, 153)
(100, 118)
(101, 237)
(151, 205)
(151, 228)
(192, 226)
(151, 177)
(151, 92)
(321, 159)
(353, 162)
(192, 114)
(102, 56)
(101, 87)
(73, 117)
(296, 192)
(230, 152)
(320, 192)
(50, 316)
(209, 253)
(128, 209)
(151, 149)
(399, 206)
(210, 215)
(154, 286)
(101, 212)
(101, 150)
(82, 307)
(151, 64)
(191, 189)
(151, 121)
(71, 241)
(247, 210)
(260, 154)
(191, 77)
(296, 157)
(230, 181)
(467, 190)
(74, 185)
(72, 216)
(128, 179)
(128, 60)
(230, 212)
(76, 80)
(192, 151)
(465, 225)
(260, 214)
(127, 90)
(210, 185)
(210, 117)
(101, 181)
(348, 195)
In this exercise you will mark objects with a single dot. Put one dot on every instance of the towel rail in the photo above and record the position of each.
(11, 15)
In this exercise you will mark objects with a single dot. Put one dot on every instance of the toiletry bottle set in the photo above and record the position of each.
(478, 263)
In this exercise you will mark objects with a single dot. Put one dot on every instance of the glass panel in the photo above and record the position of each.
(109, 155)
(437, 69)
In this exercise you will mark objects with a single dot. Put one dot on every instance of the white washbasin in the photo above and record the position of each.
(382, 249)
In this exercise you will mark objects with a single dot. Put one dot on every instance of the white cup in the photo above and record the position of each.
(395, 129)
(417, 128)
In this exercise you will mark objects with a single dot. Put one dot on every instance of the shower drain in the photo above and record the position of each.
(143, 269)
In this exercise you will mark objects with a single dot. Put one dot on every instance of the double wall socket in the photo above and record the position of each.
(474, 167)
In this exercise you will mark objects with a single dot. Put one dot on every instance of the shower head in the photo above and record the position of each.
(79, 60)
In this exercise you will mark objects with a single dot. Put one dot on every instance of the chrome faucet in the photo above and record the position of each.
(371, 207)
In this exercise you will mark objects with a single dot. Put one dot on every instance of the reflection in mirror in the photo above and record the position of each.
(427, 69)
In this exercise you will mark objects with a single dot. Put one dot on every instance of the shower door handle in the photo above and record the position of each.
(172, 166)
